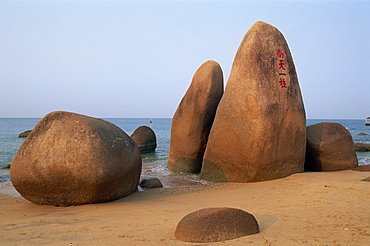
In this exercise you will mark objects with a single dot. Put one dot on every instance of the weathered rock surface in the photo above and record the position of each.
(362, 147)
(151, 182)
(329, 148)
(259, 129)
(71, 159)
(145, 139)
(193, 119)
(24, 134)
(216, 224)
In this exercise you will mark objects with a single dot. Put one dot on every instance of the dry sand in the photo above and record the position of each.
(328, 208)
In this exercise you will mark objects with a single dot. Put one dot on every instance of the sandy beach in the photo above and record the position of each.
(315, 208)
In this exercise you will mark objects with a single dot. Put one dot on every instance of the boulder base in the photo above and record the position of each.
(216, 224)
(329, 148)
(71, 159)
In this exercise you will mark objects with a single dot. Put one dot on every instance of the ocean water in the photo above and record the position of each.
(154, 164)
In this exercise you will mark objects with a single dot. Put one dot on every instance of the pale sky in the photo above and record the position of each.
(137, 58)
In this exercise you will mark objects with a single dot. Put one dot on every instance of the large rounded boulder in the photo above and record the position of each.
(145, 139)
(216, 224)
(194, 117)
(259, 131)
(71, 159)
(329, 148)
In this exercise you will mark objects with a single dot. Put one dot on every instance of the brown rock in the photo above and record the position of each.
(193, 119)
(151, 182)
(6, 166)
(366, 179)
(216, 224)
(361, 147)
(362, 168)
(362, 133)
(24, 134)
(145, 139)
(71, 159)
(259, 129)
(329, 148)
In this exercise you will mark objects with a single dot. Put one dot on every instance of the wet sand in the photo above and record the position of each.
(328, 208)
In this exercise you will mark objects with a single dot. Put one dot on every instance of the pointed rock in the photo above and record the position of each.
(259, 128)
(193, 119)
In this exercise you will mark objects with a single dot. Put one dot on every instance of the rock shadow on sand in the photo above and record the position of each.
(265, 221)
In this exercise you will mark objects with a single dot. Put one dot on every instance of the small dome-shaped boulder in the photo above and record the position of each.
(145, 139)
(216, 224)
(71, 159)
(151, 182)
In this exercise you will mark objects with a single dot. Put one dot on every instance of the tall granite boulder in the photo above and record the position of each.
(71, 159)
(259, 129)
(329, 148)
(145, 139)
(193, 119)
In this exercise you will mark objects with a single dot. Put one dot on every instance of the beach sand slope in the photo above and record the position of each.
(314, 208)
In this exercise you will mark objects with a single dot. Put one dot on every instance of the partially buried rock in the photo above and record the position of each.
(260, 126)
(194, 117)
(145, 138)
(24, 134)
(216, 224)
(151, 182)
(71, 159)
(329, 148)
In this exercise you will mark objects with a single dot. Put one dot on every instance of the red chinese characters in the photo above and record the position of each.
(282, 83)
(281, 69)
